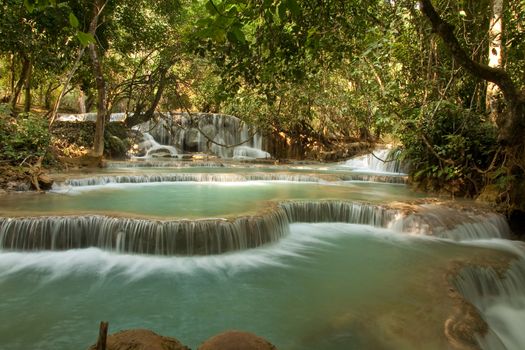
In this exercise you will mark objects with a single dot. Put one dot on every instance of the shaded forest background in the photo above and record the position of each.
(442, 79)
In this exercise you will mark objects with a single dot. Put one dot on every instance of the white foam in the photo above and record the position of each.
(57, 264)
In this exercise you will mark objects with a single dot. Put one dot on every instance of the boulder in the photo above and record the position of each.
(236, 340)
(141, 339)
(45, 181)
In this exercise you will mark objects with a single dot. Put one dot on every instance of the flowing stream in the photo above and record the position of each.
(309, 257)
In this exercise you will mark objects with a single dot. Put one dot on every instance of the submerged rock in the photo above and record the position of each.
(237, 340)
(141, 339)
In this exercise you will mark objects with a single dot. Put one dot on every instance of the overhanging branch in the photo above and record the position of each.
(446, 31)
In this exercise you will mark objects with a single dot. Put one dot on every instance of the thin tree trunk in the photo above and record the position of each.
(13, 74)
(493, 96)
(66, 83)
(47, 95)
(100, 82)
(81, 102)
(20, 82)
(138, 118)
(27, 88)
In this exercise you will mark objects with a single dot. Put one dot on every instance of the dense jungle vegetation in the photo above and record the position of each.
(442, 79)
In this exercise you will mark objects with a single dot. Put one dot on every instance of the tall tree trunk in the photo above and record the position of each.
(20, 83)
(27, 88)
(100, 82)
(493, 96)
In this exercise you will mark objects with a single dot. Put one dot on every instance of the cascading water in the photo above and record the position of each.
(500, 298)
(180, 177)
(183, 237)
(312, 259)
(223, 135)
(89, 117)
(383, 160)
(199, 237)
(153, 148)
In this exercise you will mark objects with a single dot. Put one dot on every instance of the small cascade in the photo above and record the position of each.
(155, 149)
(392, 179)
(180, 177)
(430, 220)
(500, 298)
(339, 211)
(382, 160)
(123, 235)
(215, 236)
(245, 152)
(89, 117)
(223, 135)
(151, 163)
(454, 224)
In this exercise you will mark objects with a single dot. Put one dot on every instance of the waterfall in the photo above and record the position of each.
(150, 163)
(181, 237)
(500, 299)
(339, 211)
(392, 179)
(383, 160)
(215, 236)
(89, 117)
(245, 152)
(153, 148)
(454, 224)
(223, 135)
(180, 177)
(430, 220)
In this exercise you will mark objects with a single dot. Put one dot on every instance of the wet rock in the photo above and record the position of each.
(18, 186)
(192, 140)
(141, 339)
(45, 182)
(237, 340)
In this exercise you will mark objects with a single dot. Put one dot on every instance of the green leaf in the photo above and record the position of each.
(281, 10)
(238, 34)
(73, 20)
(294, 7)
(85, 38)
(211, 8)
(30, 5)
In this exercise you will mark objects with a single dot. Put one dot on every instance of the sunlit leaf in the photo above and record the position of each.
(85, 38)
(73, 20)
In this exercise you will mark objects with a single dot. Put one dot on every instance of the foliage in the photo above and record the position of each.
(449, 147)
(24, 138)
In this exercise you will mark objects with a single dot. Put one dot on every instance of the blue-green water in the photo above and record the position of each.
(326, 286)
(192, 199)
(329, 286)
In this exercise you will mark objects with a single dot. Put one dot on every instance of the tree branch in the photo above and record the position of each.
(446, 31)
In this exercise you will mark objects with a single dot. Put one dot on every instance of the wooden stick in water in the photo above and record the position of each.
(102, 336)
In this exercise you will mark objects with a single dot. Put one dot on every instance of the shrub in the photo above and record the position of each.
(23, 137)
(449, 147)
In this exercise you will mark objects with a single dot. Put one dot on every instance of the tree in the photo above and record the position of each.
(511, 122)
(34, 41)
(495, 55)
